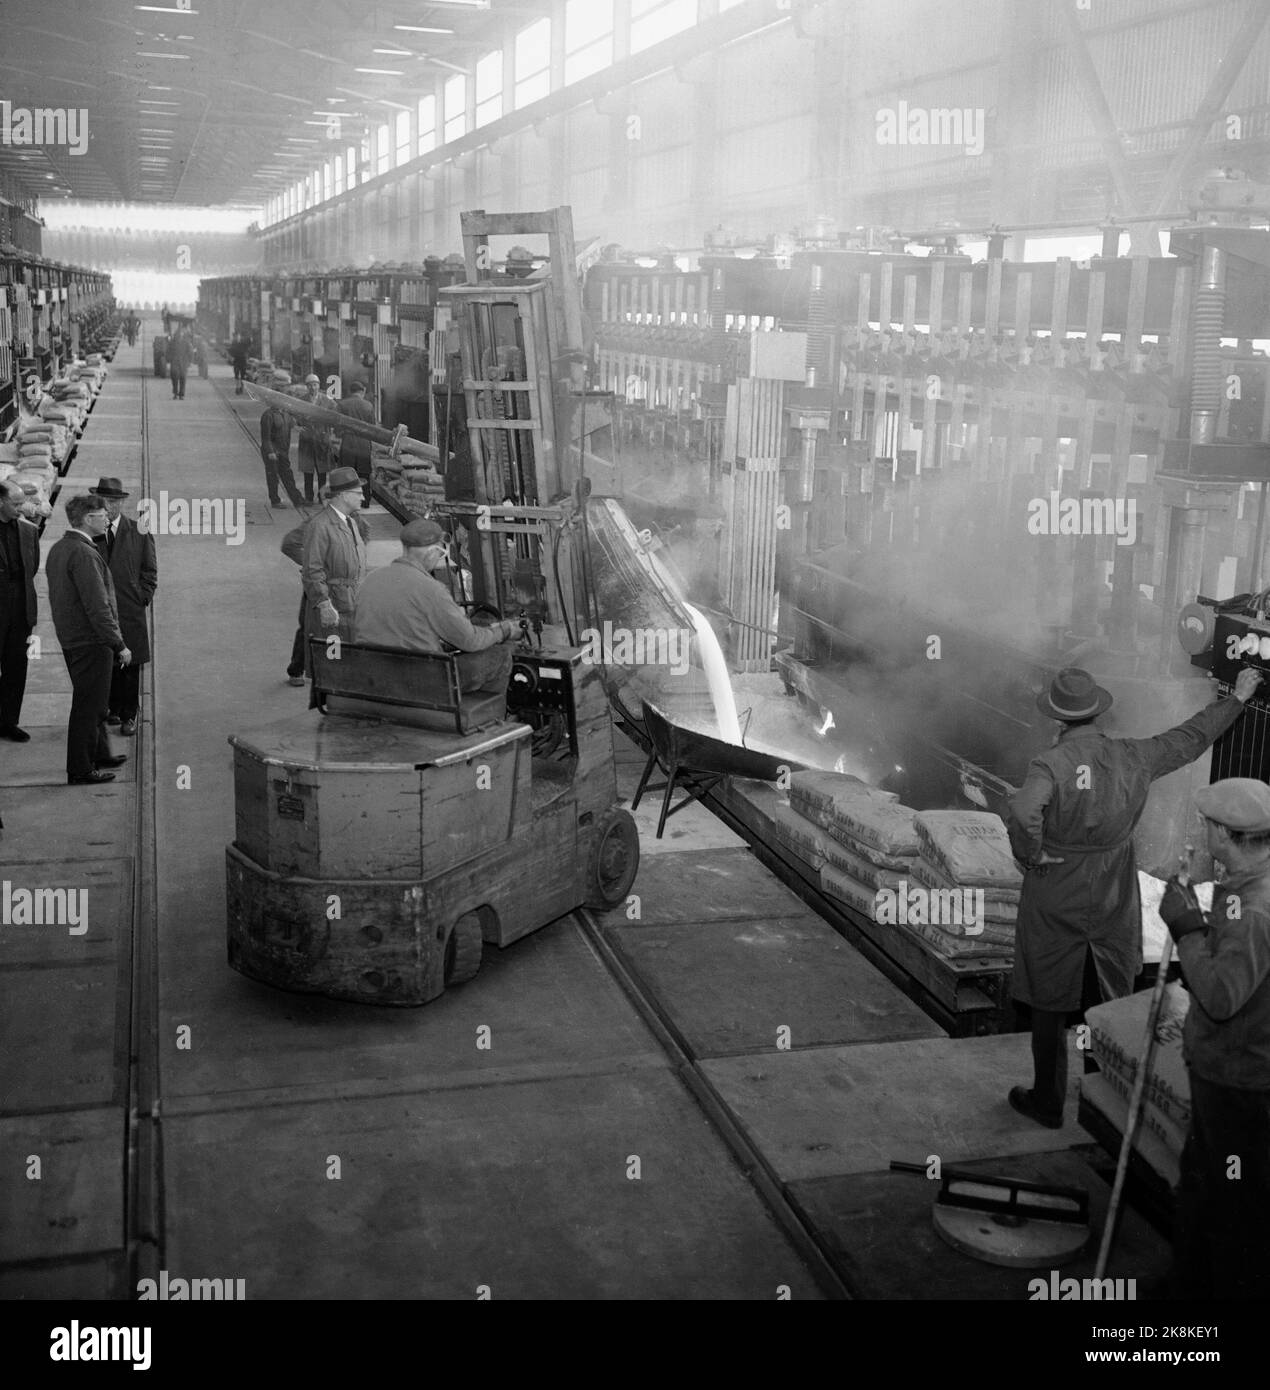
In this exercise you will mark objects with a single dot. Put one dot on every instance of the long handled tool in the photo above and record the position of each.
(398, 441)
(1139, 1085)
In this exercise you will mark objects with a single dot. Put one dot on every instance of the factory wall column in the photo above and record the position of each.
(1193, 510)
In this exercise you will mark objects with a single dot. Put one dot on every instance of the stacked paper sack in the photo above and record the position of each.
(867, 840)
(968, 852)
(1117, 1033)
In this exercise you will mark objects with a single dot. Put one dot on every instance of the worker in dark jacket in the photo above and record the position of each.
(160, 350)
(275, 450)
(86, 620)
(1222, 1219)
(238, 358)
(1071, 827)
(354, 450)
(19, 563)
(179, 353)
(315, 438)
(293, 548)
(334, 559)
(401, 605)
(134, 571)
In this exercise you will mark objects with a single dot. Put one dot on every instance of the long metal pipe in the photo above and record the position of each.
(1207, 315)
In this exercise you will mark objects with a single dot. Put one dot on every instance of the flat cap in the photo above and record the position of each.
(416, 534)
(1238, 803)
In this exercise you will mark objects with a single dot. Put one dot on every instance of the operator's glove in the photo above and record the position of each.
(1180, 910)
(328, 614)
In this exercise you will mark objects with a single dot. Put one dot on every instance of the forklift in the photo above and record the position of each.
(385, 839)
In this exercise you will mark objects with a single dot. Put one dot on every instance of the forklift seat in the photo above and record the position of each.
(421, 688)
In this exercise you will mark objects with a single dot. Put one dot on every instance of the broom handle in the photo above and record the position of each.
(1135, 1109)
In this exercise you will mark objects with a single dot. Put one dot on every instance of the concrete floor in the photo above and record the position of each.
(318, 1149)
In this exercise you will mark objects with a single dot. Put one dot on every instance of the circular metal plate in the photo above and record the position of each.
(1028, 1245)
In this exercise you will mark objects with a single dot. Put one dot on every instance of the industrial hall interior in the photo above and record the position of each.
(635, 654)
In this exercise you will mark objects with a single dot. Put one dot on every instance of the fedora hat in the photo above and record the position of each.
(1073, 694)
(109, 487)
(343, 480)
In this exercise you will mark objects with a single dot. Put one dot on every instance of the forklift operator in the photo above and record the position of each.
(402, 606)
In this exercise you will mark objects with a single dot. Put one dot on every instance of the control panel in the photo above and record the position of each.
(1238, 641)
(540, 693)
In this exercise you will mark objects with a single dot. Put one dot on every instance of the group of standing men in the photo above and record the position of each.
(316, 445)
(102, 576)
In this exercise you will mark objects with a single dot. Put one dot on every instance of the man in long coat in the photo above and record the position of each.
(19, 562)
(334, 562)
(1071, 827)
(86, 620)
(134, 569)
(315, 438)
(354, 450)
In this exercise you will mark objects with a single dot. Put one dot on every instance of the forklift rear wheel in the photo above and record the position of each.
(463, 950)
(614, 860)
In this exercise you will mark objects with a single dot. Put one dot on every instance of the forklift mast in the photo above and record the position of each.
(523, 363)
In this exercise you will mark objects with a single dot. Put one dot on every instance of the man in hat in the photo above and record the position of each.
(1222, 1218)
(315, 439)
(1079, 932)
(334, 559)
(19, 561)
(86, 620)
(180, 351)
(354, 450)
(134, 571)
(401, 605)
(275, 448)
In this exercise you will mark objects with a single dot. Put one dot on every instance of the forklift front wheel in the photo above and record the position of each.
(614, 860)
(463, 950)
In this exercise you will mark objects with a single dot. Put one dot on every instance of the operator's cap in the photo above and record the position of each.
(416, 534)
(1238, 803)
(281, 378)
(313, 377)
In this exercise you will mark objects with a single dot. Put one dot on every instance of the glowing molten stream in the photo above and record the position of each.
(716, 670)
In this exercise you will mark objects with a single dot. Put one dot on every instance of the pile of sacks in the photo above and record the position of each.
(66, 404)
(869, 839)
(42, 444)
(970, 851)
(1117, 1033)
(886, 861)
(416, 485)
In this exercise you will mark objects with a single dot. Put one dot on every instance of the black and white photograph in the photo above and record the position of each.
(635, 668)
